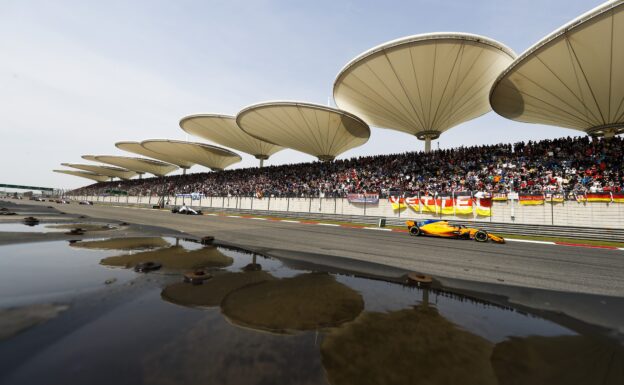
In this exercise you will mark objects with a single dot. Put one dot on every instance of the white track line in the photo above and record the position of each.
(289, 221)
(328, 224)
(376, 228)
(233, 216)
(259, 219)
(213, 215)
(530, 241)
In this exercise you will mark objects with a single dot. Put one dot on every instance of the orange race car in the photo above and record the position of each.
(440, 228)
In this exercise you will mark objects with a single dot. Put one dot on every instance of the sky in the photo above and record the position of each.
(76, 76)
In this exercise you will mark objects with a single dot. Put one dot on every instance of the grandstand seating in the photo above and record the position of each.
(577, 165)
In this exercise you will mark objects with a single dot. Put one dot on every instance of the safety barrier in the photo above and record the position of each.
(589, 220)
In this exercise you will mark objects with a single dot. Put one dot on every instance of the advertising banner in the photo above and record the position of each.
(554, 198)
(363, 198)
(397, 203)
(484, 207)
(192, 196)
(598, 197)
(463, 205)
(531, 199)
(499, 197)
(618, 197)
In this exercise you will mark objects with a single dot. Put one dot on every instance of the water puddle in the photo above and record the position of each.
(20, 227)
(258, 321)
(24, 228)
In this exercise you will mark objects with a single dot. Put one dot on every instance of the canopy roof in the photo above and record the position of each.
(423, 84)
(213, 157)
(103, 170)
(140, 165)
(305, 302)
(572, 78)
(317, 130)
(84, 174)
(223, 130)
(137, 148)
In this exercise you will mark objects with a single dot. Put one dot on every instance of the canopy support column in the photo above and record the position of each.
(261, 163)
(427, 136)
(184, 171)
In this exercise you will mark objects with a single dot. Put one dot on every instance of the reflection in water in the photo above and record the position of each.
(305, 302)
(83, 226)
(17, 319)
(350, 330)
(411, 346)
(212, 351)
(175, 257)
(565, 360)
(211, 292)
(134, 243)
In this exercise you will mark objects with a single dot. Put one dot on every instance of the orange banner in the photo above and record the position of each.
(397, 203)
(484, 207)
(598, 197)
(618, 197)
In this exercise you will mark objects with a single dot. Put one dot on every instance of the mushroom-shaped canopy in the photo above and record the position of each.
(305, 302)
(130, 243)
(137, 148)
(84, 174)
(173, 258)
(423, 84)
(212, 291)
(558, 360)
(317, 130)
(572, 78)
(213, 157)
(412, 346)
(140, 165)
(103, 170)
(223, 130)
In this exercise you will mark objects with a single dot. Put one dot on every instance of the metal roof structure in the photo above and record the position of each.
(314, 129)
(213, 157)
(423, 84)
(112, 172)
(140, 165)
(84, 174)
(223, 130)
(572, 78)
(137, 148)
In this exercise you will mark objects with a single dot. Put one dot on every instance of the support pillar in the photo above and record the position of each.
(428, 136)
(184, 171)
(261, 163)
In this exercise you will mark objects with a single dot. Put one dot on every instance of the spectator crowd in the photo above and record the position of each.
(565, 165)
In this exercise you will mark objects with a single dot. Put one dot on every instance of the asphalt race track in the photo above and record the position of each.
(553, 267)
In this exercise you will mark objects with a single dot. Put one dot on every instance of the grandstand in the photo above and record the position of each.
(575, 165)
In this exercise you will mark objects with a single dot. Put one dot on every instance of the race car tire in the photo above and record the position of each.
(481, 236)
(415, 231)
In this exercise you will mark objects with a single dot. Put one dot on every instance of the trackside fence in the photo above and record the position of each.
(573, 219)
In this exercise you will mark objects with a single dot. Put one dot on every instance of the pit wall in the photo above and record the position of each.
(569, 213)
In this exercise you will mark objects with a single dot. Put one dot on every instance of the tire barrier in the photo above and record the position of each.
(145, 267)
(197, 277)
